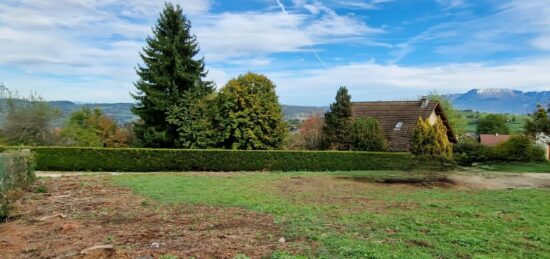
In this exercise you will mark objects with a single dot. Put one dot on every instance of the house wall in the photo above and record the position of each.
(544, 141)
(433, 118)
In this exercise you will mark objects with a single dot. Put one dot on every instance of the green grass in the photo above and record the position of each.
(515, 121)
(344, 215)
(518, 167)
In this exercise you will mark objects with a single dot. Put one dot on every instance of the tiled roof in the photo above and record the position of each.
(390, 113)
(492, 140)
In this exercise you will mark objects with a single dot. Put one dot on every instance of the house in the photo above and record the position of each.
(398, 119)
(543, 141)
(491, 140)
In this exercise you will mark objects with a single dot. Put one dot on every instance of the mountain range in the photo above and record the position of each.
(483, 100)
(499, 100)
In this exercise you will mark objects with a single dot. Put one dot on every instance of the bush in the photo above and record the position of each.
(517, 148)
(366, 135)
(16, 171)
(150, 160)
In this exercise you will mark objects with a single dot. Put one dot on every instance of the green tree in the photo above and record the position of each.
(457, 122)
(431, 140)
(28, 121)
(249, 115)
(92, 128)
(539, 122)
(338, 121)
(421, 141)
(168, 73)
(366, 135)
(192, 118)
(493, 124)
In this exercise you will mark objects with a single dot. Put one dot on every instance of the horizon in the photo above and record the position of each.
(380, 49)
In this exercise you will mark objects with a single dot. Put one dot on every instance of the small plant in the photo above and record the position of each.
(168, 257)
(144, 204)
(241, 256)
(41, 189)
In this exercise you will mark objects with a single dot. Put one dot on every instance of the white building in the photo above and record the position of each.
(543, 140)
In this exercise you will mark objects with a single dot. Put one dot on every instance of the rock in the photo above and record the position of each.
(98, 247)
(155, 245)
(282, 240)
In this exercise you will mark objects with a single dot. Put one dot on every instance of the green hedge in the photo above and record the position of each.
(151, 160)
(16, 171)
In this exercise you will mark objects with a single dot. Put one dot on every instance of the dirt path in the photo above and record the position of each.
(495, 181)
(79, 213)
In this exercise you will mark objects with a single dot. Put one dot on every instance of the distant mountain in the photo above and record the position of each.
(499, 100)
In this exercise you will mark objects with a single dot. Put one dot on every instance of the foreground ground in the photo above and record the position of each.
(357, 214)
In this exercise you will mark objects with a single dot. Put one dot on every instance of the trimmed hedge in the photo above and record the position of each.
(16, 171)
(152, 160)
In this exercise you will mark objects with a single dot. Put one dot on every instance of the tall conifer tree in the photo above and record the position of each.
(168, 73)
(338, 121)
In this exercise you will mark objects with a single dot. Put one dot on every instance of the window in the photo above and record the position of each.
(398, 125)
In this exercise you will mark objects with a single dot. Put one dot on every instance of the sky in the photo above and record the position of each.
(86, 50)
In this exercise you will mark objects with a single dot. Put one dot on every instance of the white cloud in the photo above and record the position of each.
(449, 4)
(370, 81)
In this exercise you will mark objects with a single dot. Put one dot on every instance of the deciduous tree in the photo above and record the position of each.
(249, 115)
(493, 124)
(539, 122)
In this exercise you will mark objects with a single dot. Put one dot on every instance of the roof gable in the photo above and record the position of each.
(390, 113)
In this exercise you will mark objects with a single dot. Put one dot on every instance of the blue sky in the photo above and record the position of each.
(86, 50)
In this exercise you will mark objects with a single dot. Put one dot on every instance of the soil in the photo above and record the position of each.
(497, 181)
(80, 212)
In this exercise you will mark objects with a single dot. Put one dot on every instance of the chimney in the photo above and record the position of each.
(424, 102)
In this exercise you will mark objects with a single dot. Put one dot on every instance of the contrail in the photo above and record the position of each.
(283, 9)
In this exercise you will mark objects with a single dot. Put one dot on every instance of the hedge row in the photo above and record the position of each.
(151, 160)
(16, 171)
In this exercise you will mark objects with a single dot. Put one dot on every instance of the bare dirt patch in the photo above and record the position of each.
(78, 213)
(496, 181)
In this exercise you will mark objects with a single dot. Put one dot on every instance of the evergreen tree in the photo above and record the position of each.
(249, 115)
(338, 121)
(192, 118)
(168, 72)
(420, 142)
(539, 122)
(431, 140)
(443, 146)
(366, 135)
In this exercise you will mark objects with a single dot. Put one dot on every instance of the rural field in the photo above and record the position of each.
(363, 214)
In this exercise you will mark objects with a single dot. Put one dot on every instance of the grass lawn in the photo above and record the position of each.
(336, 215)
(518, 167)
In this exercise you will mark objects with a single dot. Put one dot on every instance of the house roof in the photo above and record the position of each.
(390, 113)
(492, 140)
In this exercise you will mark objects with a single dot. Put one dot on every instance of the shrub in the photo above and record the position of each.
(431, 140)
(470, 151)
(150, 160)
(16, 171)
(518, 148)
(366, 135)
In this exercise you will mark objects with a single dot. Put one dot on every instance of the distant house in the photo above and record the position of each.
(491, 140)
(398, 119)
(543, 141)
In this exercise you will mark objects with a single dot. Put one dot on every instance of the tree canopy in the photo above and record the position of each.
(169, 71)
(366, 135)
(493, 124)
(338, 121)
(539, 122)
(248, 114)
(457, 122)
